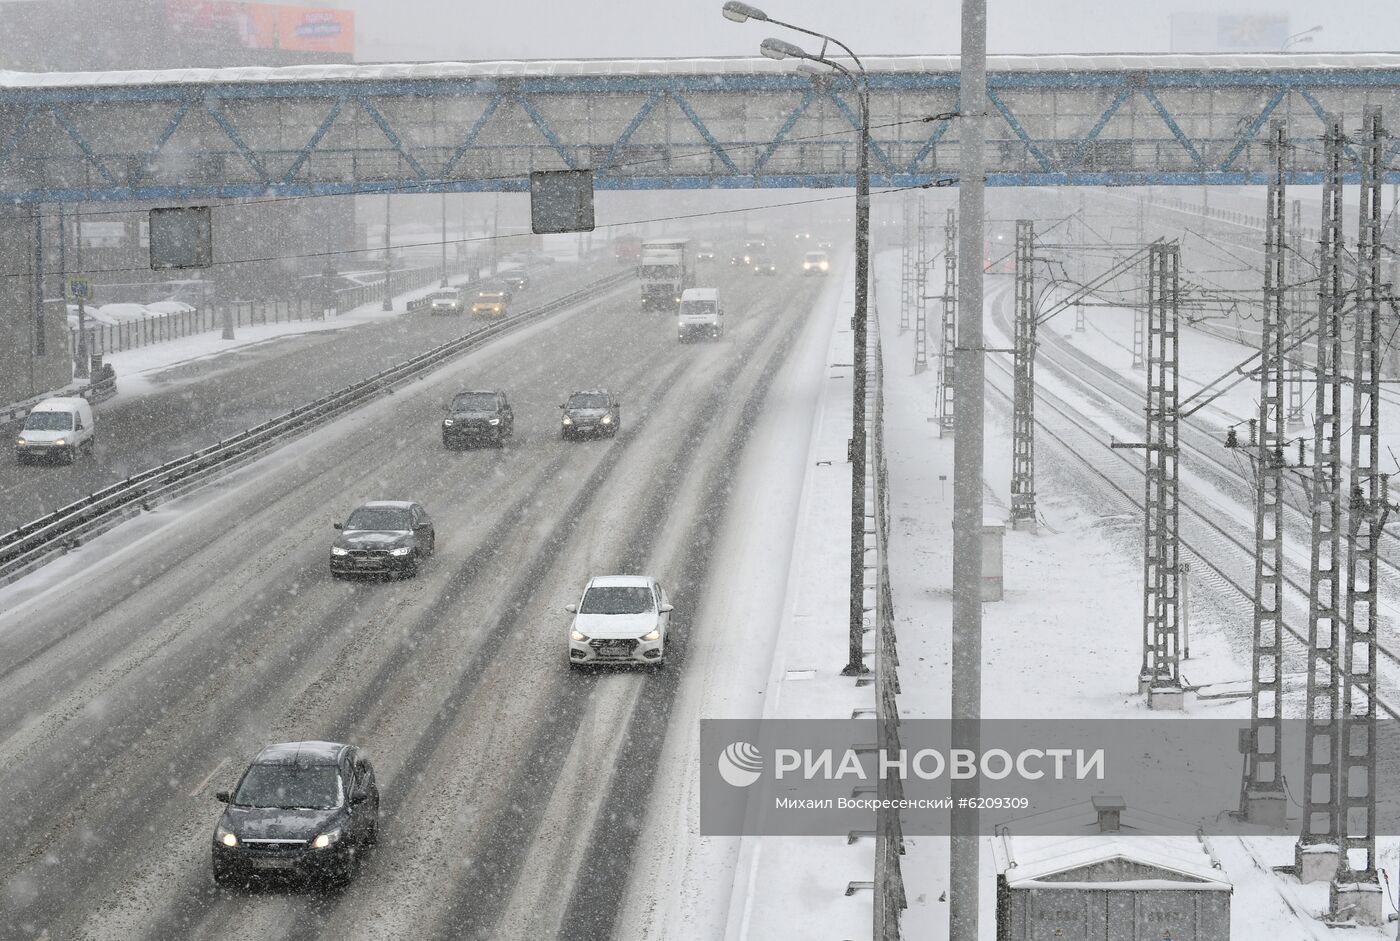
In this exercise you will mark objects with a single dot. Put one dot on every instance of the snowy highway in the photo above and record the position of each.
(513, 790)
(197, 403)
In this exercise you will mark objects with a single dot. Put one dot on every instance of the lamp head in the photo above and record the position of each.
(778, 49)
(739, 12)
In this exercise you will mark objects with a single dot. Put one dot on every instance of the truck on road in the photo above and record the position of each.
(667, 269)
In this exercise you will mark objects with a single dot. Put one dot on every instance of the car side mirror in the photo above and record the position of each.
(337, 526)
(360, 796)
(223, 797)
(667, 608)
(571, 608)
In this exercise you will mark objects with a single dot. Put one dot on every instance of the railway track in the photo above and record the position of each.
(1223, 549)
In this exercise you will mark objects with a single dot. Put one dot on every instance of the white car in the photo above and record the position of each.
(620, 619)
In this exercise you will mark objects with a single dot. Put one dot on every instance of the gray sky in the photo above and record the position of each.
(536, 29)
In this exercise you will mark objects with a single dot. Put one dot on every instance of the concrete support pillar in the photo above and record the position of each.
(23, 371)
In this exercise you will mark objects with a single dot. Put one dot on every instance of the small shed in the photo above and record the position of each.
(1108, 885)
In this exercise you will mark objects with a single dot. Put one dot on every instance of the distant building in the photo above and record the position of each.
(109, 35)
(1208, 31)
(105, 35)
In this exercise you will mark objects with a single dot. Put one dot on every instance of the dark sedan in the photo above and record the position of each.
(387, 537)
(304, 810)
(483, 415)
(591, 413)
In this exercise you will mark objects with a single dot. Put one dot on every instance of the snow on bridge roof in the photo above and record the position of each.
(657, 68)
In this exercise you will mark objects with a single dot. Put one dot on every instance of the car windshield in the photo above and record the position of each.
(815, 256)
(588, 400)
(474, 402)
(445, 296)
(616, 599)
(697, 308)
(385, 518)
(49, 421)
(660, 271)
(301, 787)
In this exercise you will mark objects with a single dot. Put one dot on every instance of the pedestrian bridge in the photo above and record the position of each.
(665, 124)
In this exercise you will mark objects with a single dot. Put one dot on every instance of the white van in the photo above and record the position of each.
(701, 314)
(59, 428)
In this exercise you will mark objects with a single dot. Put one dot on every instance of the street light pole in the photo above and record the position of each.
(966, 654)
(444, 239)
(778, 49)
(388, 260)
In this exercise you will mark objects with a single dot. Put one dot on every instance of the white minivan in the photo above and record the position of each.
(60, 428)
(701, 314)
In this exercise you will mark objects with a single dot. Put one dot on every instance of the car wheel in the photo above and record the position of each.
(223, 878)
(658, 666)
(564, 435)
(372, 835)
(432, 543)
(70, 456)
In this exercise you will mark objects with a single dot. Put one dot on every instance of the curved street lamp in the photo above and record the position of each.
(1299, 38)
(740, 12)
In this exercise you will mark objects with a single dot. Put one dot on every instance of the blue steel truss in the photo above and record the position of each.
(364, 131)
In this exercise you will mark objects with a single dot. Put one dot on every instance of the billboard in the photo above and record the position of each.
(1232, 32)
(265, 25)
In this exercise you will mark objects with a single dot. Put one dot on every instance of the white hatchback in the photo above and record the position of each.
(620, 619)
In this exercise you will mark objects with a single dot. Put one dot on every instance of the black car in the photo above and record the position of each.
(304, 810)
(515, 280)
(591, 413)
(386, 537)
(480, 415)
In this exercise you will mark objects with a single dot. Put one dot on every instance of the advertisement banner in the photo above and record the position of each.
(266, 25)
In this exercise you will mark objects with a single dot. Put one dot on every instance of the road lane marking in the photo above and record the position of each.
(205, 783)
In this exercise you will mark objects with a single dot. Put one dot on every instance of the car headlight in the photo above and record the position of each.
(575, 635)
(339, 550)
(325, 839)
(607, 419)
(60, 442)
(654, 635)
(447, 423)
(226, 837)
(21, 442)
(401, 550)
(568, 420)
(494, 421)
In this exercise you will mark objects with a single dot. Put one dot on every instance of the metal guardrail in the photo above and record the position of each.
(890, 898)
(29, 546)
